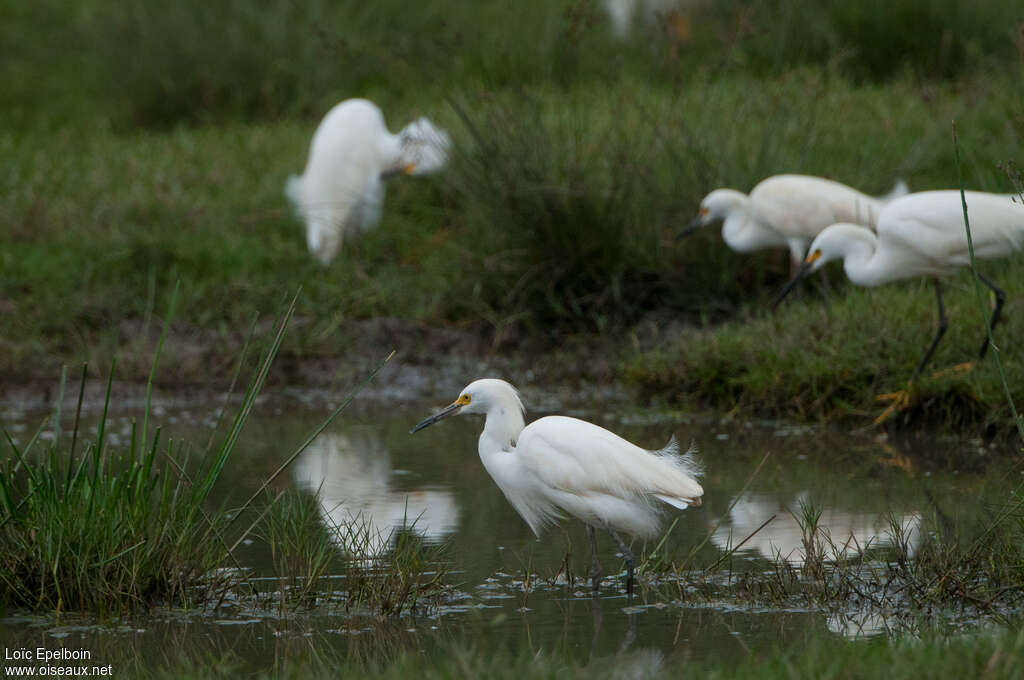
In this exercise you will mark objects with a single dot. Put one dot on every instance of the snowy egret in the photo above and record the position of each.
(922, 234)
(352, 153)
(559, 465)
(787, 211)
(624, 13)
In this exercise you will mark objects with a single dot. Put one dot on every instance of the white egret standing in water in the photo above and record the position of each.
(787, 211)
(352, 153)
(559, 465)
(922, 234)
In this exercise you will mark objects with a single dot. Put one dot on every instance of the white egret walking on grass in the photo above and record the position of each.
(922, 234)
(341, 190)
(787, 211)
(558, 466)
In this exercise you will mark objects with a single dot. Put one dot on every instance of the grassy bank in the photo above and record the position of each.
(154, 148)
(824, 360)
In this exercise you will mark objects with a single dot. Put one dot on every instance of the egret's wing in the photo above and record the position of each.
(929, 226)
(800, 206)
(578, 457)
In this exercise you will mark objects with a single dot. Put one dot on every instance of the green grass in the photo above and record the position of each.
(89, 525)
(813, 360)
(134, 63)
(321, 566)
(109, 529)
(154, 148)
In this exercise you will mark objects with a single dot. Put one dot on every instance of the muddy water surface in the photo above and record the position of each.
(514, 592)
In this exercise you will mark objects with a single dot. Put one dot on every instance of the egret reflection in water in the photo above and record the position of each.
(351, 475)
(846, 532)
(859, 623)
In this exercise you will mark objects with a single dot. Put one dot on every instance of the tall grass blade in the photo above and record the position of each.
(978, 291)
(156, 360)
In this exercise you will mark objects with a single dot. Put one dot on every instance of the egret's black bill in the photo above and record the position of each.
(449, 410)
(695, 224)
(801, 274)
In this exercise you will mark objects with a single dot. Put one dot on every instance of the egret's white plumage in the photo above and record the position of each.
(341, 190)
(787, 211)
(558, 466)
(922, 234)
(624, 13)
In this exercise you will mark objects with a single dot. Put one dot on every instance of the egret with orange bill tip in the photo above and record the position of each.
(341, 191)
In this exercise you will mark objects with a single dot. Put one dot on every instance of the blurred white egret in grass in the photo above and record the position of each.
(787, 211)
(352, 153)
(922, 234)
(351, 476)
(624, 13)
(559, 465)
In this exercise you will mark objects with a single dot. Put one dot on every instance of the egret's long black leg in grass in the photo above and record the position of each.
(943, 324)
(595, 564)
(996, 313)
(627, 555)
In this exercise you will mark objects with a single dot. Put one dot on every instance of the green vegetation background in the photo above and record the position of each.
(145, 143)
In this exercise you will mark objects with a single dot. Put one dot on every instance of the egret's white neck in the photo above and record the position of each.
(743, 232)
(391, 152)
(501, 429)
(861, 257)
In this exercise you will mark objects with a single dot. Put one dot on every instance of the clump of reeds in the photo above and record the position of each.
(88, 525)
(104, 530)
(388, 581)
(351, 566)
(300, 548)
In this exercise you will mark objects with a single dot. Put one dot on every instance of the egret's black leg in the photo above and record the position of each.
(996, 313)
(627, 555)
(943, 324)
(595, 565)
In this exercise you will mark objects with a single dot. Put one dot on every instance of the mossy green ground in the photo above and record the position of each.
(147, 145)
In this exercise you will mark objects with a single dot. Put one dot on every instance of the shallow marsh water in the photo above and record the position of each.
(367, 466)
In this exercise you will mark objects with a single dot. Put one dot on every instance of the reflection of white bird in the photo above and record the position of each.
(560, 465)
(863, 622)
(848, 532)
(351, 477)
(922, 234)
(352, 152)
(787, 211)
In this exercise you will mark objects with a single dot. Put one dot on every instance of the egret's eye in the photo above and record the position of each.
(703, 212)
(813, 256)
(463, 400)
